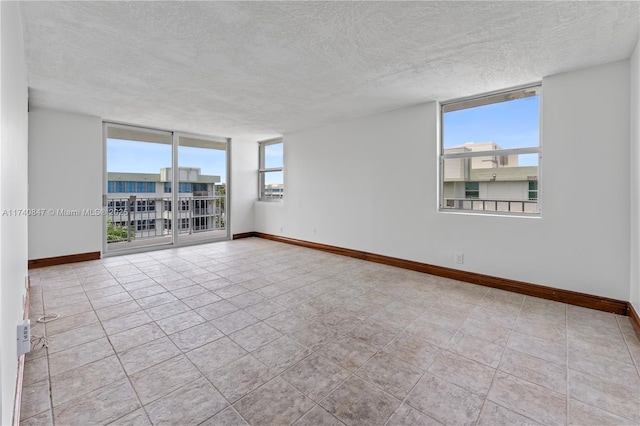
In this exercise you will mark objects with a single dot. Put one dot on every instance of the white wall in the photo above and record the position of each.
(13, 195)
(371, 185)
(244, 183)
(65, 172)
(635, 177)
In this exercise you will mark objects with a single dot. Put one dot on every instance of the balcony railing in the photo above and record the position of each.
(136, 218)
(491, 205)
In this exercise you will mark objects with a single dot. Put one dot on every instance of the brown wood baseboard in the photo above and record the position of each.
(559, 295)
(61, 260)
(635, 320)
(243, 235)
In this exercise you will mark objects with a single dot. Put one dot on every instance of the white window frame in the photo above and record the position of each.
(262, 170)
(479, 100)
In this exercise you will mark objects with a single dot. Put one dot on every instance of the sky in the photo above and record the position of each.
(147, 157)
(513, 124)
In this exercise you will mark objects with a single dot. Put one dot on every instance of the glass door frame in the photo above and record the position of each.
(175, 176)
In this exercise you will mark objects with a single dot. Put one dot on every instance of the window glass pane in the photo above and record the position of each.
(273, 155)
(273, 185)
(503, 125)
(484, 184)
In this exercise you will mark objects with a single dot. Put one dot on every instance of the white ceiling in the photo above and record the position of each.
(262, 69)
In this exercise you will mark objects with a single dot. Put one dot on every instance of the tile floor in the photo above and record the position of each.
(262, 333)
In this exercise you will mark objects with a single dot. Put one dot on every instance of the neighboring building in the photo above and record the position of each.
(274, 191)
(493, 183)
(143, 202)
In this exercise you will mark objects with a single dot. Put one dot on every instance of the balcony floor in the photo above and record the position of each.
(258, 332)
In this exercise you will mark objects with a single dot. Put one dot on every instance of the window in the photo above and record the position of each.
(533, 190)
(271, 176)
(472, 189)
(129, 186)
(490, 153)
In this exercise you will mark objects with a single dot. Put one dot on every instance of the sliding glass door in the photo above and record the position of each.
(202, 188)
(148, 202)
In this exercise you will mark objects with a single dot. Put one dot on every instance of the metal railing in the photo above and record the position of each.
(135, 218)
(491, 205)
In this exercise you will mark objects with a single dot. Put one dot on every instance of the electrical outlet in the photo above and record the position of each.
(314, 231)
(459, 258)
(281, 229)
(24, 337)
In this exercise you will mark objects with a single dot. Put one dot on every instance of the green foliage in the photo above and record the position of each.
(116, 233)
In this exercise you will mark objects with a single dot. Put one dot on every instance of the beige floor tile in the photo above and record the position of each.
(255, 336)
(316, 376)
(581, 414)
(240, 377)
(179, 322)
(476, 349)
(191, 404)
(318, 416)
(164, 378)
(281, 353)
(148, 354)
(348, 352)
(374, 333)
(147, 291)
(494, 415)
(276, 402)
(445, 402)
(492, 333)
(541, 348)
(135, 418)
(216, 354)
(227, 417)
(408, 416)
(286, 321)
(196, 336)
(114, 311)
(314, 335)
(412, 348)
(469, 374)
(126, 322)
(156, 300)
(42, 419)
(535, 370)
(35, 399)
(80, 355)
(376, 330)
(190, 291)
(607, 395)
(357, 402)
(392, 375)
(202, 299)
(67, 323)
(135, 337)
(167, 309)
(234, 322)
(81, 380)
(75, 337)
(528, 399)
(114, 299)
(216, 309)
(35, 370)
(98, 407)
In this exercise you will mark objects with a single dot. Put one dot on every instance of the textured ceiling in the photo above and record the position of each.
(268, 68)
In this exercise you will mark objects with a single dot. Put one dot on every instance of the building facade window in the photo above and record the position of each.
(533, 190)
(271, 170)
(472, 189)
(490, 153)
(129, 186)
